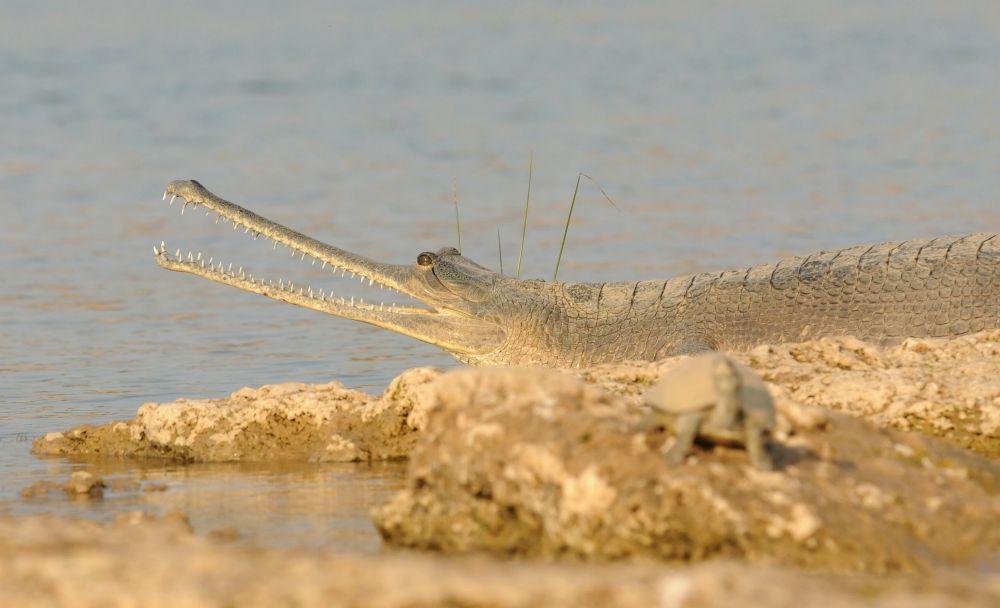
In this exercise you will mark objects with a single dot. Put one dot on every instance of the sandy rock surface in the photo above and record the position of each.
(293, 421)
(538, 463)
(139, 561)
(947, 388)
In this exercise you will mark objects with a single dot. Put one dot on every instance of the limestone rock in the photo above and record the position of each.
(539, 464)
(293, 421)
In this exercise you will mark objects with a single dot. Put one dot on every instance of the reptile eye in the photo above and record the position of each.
(425, 259)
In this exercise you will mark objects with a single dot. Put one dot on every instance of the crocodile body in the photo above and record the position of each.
(939, 287)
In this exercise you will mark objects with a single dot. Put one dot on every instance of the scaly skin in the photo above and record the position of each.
(939, 287)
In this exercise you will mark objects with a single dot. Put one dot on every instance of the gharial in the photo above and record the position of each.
(938, 287)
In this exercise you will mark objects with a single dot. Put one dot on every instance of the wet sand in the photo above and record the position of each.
(139, 561)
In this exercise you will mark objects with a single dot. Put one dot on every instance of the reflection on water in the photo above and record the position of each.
(280, 505)
(727, 135)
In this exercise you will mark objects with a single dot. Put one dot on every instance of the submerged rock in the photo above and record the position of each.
(81, 484)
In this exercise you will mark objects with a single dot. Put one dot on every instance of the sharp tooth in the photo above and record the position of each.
(310, 292)
(255, 235)
(230, 267)
(235, 226)
(172, 201)
(190, 257)
(164, 195)
(183, 207)
(177, 254)
(324, 265)
(352, 300)
(322, 297)
(199, 255)
(281, 284)
(210, 261)
(155, 250)
(371, 282)
(203, 263)
(247, 230)
(303, 255)
(381, 305)
(163, 246)
(300, 291)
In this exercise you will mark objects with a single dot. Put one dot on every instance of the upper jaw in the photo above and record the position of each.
(389, 275)
(452, 330)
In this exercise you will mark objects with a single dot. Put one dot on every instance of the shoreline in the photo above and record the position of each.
(887, 485)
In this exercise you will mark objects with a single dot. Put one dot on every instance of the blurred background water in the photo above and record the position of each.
(727, 133)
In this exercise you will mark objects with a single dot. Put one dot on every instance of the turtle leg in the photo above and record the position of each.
(756, 450)
(687, 426)
(729, 392)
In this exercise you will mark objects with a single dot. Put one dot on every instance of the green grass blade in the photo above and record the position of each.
(458, 226)
(606, 197)
(524, 223)
(562, 245)
(500, 249)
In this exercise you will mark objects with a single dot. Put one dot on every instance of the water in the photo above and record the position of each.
(726, 134)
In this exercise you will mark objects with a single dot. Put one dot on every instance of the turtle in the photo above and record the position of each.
(716, 399)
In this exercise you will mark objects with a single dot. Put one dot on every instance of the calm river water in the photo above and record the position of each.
(725, 134)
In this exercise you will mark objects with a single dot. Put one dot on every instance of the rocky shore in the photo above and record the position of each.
(886, 488)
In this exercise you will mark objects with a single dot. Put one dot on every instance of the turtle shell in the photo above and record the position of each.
(690, 386)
